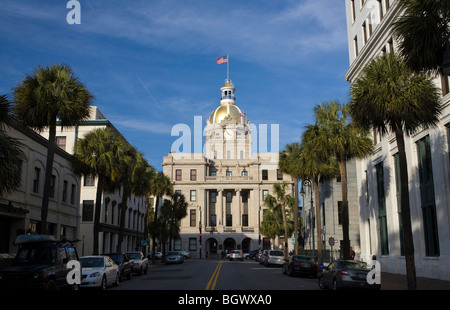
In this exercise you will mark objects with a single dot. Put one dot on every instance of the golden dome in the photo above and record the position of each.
(221, 112)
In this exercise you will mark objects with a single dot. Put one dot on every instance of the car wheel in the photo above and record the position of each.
(103, 284)
(116, 283)
(50, 285)
(335, 285)
(322, 283)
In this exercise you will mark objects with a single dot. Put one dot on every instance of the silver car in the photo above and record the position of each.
(174, 257)
(274, 257)
(346, 274)
(236, 254)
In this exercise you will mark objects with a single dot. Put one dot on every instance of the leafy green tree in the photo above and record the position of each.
(422, 30)
(390, 97)
(173, 211)
(49, 95)
(281, 200)
(99, 153)
(160, 185)
(11, 154)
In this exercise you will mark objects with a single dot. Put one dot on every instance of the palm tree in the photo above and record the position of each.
(160, 185)
(422, 30)
(172, 211)
(11, 154)
(346, 142)
(400, 101)
(284, 200)
(314, 164)
(98, 153)
(49, 95)
(288, 163)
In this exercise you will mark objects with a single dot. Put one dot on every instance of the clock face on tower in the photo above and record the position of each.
(228, 134)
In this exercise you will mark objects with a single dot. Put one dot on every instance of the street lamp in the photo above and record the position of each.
(308, 183)
(446, 58)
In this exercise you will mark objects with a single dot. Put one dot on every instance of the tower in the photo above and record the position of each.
(228, 134)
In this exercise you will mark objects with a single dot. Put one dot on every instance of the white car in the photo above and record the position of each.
(99, 272)
(140, 262)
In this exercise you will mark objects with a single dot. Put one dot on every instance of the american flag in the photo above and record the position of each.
(221, 60)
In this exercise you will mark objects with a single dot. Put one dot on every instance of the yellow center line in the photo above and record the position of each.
(212, 282)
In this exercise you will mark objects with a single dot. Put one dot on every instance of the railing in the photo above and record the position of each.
(228, 97)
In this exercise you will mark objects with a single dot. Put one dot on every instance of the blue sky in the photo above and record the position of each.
(151, 64)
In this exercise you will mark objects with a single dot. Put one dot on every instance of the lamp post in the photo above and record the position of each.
(308, 183)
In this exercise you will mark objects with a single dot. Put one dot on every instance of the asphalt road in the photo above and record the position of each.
(218, 275)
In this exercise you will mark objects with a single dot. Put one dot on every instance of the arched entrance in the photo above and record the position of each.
(229, 244)
(246, 245)
(211, 246)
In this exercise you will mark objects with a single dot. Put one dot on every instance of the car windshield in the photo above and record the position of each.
(236, 251)
(35, 254)
(302, 259)
(134, 255)
(90, 262)
(276, 253)
(354, 265)
(117, 258)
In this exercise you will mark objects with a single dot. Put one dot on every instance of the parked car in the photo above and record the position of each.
(125, 264)
(346, 274)
(99, 271)
(186, 254)
(274, 257)
(140, 262)
(41, 262)
(236, 254)
(174, 257)
(253, 254)
(301, 265)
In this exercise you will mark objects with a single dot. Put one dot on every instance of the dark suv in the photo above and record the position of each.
(40, 263)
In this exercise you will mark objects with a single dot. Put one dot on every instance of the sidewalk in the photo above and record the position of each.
(390, 281)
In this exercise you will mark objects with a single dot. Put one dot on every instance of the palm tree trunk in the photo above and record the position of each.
(283, 210)
(318, 220)
(48, 177)
(405, 211)
(345, 212)
(296, 215)
(98, 208)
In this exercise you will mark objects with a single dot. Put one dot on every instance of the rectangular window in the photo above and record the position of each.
(213, 197)
(265, 174)
(37, 172)
(89, 180)
(212, 173)
(427, 197)
(178, 175)
(192, 244)
(193, 195)
(72, 194)
(64, 193)
(88, 211)
(355, 44)
(382, 210)
(61, 142)
(279, 175)
(52, 186)
(228, 175)
(265, 192)
(212, 220)
(193, 174)
(192, 218)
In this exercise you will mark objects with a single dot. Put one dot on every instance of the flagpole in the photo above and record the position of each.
(228, 67)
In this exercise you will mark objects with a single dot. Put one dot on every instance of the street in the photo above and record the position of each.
(222, 275)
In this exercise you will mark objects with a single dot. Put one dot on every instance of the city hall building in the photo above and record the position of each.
(225, 185)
